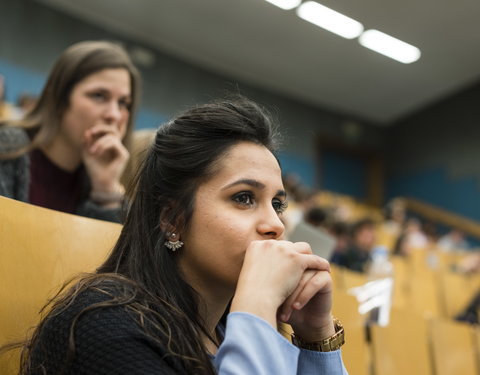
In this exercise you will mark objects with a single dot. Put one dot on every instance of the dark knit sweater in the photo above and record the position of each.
(108, 340)
(15, 177)
(65, 194)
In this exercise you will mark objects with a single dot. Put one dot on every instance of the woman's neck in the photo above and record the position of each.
(214, 302)
(211, 313)
(62, 154)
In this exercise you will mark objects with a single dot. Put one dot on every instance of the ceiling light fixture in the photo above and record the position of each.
(389, 46)
(285, 4)
(330, 20)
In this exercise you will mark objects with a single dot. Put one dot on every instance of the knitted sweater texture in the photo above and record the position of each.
(108, 340)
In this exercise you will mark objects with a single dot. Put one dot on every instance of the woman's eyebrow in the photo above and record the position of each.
(246, 181)
(255, 184)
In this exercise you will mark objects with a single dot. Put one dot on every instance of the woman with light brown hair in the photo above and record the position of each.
(69, 152)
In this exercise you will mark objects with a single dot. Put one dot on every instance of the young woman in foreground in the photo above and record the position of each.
(202, 238)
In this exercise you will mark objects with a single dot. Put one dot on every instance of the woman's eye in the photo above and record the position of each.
(244, 198)
(125, 104)
(99, 96)
(279, 206)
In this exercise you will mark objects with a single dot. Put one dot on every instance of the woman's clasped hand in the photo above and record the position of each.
(285, 281)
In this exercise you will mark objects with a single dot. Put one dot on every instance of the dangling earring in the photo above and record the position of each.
(173, 245)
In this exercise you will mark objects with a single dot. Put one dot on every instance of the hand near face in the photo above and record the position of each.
(232, 245)
(104, 157)
(92, 128)
(308, 308)
(272, 272)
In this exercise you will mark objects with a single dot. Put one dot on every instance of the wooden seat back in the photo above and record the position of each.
(39, 250)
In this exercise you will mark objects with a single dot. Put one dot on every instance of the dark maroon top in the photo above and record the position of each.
(53, 187)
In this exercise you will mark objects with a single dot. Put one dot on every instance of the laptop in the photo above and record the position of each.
(320, 241)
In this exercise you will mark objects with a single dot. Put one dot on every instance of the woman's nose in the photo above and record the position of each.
(270, 226)
(113, 112)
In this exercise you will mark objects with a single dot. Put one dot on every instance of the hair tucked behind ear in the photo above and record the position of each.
(184, 154)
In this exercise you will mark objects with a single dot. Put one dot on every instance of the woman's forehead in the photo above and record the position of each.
(251, 161)
(108, 76)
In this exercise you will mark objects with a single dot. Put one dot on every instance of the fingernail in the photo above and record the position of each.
(297, 305)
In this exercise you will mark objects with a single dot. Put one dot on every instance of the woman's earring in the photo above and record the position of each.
(175, 244)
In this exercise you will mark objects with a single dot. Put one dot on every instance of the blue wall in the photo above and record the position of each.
(304, 168)
(434, 154)
(344, 174)
(433, 185)
(19, 80)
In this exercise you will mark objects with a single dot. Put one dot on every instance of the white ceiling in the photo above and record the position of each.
(256, 42)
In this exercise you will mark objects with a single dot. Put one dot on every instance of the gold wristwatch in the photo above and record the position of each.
(329, 344)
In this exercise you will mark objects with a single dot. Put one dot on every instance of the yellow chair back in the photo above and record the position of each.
(40, 249)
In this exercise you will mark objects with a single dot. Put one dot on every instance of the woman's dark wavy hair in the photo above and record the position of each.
(185, 153)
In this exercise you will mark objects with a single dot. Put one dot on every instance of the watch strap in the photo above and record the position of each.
(329, 344)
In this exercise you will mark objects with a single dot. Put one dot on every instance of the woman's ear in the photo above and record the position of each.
(170, 222)
(166, 225)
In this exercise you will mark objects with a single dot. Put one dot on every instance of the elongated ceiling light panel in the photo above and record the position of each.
(285, 4)
(389, 46)
(330, 19)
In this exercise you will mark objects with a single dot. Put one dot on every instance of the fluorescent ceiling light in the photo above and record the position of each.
(389, 46)
(329, 19)
(285, 4)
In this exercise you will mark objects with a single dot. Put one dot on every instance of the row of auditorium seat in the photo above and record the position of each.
(420, 337)
(39, 250)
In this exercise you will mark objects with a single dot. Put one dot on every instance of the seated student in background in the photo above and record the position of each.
(470, 265)
(453, 241)
(317, 217)
(412, 238)
(25, 103)
(201, 239)
(340, 231)
(356, 256)
(68, 152)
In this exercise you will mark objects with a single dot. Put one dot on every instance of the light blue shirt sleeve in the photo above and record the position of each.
(253, 347)
(315, 363)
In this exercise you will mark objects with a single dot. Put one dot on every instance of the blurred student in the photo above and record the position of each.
(356, 256)
(453, 241)
(395, 216)
(317, 217)
(25, 103)
(340, 231)
(470, 265)
(69, 152)
(415, 235)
